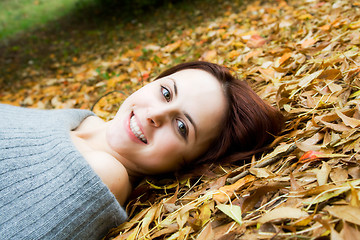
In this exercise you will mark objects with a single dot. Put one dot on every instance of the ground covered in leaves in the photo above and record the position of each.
(301, 56)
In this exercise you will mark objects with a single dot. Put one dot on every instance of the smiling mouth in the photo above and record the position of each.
(136, 130)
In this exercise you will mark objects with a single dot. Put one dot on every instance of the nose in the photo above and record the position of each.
(157, 116)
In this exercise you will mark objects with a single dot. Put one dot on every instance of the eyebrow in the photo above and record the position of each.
(186, 114)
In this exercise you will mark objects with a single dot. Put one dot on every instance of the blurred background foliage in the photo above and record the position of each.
(18, 16)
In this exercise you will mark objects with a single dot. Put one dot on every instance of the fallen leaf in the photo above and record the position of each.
(308, 42)
(323, 174)
(282, 212)
(209, 55)
(347, 213)
(225, 193)
(207, 233)
(348, 121)
(339, 175)
(255, 41)
(172, 46)
(231, 211)
(349, 232)
(261, 172)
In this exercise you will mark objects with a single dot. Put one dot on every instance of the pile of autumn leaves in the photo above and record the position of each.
(303, 57)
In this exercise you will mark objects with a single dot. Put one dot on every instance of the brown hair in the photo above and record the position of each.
(250, 124)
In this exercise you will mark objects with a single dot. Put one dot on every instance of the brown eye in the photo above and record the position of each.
(166, 93)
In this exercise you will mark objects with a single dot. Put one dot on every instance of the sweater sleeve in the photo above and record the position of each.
(47, 189)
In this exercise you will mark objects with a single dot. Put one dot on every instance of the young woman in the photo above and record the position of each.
(66, 173)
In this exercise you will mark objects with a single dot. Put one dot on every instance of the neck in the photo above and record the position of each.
(91, 136)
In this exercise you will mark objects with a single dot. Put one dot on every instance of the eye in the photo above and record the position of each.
(166, 93)
(182, 128)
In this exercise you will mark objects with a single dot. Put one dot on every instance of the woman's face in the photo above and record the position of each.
(168, 122)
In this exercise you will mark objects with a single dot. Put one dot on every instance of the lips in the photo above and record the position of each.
(136, 130)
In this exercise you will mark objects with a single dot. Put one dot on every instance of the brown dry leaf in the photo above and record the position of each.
(339, 175)
(225, 193)
(335, 235)
(347, 213)
(281, 213)
(147, 220)
(355, 197)
(331, 74)
(348, 121)
(207, 233)
(261, 172)
(301, 56)
(305, 81)
(310, 143)
(349, 232)
(323, 174)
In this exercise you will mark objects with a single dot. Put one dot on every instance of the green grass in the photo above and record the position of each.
(17, 16)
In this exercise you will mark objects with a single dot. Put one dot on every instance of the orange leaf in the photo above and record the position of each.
(314, 155)
(325, 27)
(308, 42)
(209, 55)
(310, 156)
(284, 57)
(172, 47)
(227, 191)
(256, 41)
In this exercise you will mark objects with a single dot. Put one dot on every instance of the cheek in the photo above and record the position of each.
(166, 154)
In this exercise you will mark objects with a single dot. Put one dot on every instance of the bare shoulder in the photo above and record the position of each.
(112, 173)
(90, 121)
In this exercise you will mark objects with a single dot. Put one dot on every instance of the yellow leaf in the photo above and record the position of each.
(354, 25)
(330, 74)
(111, 83)
(305, 16)
(205, 213)
(232, 211)
(332, 192)
(147, 220)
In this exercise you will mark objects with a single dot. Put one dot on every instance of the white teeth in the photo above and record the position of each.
(136, 130)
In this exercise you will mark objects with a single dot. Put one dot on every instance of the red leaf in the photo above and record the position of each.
(310, 156)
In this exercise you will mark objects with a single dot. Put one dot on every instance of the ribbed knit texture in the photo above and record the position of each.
(47, 189)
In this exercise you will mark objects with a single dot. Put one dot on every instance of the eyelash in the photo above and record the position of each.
(165, 91)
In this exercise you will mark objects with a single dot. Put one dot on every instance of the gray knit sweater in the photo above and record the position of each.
(47, 189)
